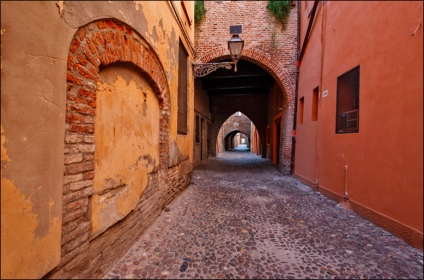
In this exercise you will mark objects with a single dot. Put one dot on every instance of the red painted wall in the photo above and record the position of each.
(385, 158)
(255, 146)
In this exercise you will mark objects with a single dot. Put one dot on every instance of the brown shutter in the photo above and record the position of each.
(182, 90)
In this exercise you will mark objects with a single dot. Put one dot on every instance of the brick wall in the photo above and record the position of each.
(267, 44)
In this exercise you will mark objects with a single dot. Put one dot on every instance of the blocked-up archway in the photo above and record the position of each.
(95, 196)
(257, 106)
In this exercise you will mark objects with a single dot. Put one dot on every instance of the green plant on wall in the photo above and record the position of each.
(199, 10)
(280, 10)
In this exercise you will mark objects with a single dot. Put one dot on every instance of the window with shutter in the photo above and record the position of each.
(182, 90)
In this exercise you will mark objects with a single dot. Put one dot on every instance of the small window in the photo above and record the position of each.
(197, 129)
(347, 112)
(182, 90)
(315, 94)
(301, 105)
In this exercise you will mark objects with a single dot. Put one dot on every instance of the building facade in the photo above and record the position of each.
(96, 103)
(359, 130)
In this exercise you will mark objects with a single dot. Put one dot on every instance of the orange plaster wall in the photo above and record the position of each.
(309, 79)
(385, 158)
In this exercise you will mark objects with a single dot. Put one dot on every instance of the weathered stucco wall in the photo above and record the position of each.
(36, 40)
(33, 74)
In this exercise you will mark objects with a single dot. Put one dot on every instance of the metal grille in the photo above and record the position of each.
(347, 113)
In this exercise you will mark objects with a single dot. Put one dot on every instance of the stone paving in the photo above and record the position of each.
(241, 218)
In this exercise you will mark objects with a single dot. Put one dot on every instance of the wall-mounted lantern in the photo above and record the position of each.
(235, 45)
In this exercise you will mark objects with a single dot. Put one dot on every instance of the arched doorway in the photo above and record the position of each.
(252, 90)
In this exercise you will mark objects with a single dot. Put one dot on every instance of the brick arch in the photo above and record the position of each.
(228, 115)
(277, 71)
(94, 45)
(263, 60)
(232, 134)
(101, 43)
(220, 122)
(235, 131)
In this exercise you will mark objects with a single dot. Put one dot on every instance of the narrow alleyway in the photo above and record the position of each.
(243, 219)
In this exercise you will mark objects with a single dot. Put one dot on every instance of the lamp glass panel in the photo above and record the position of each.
(235, 48)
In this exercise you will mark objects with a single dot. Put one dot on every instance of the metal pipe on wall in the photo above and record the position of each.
(346, 195)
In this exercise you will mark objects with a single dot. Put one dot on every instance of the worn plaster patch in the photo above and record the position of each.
(171, 54)
(96, 213)
(127, 146)
(136, 3)
(23, 255)
(60, 5)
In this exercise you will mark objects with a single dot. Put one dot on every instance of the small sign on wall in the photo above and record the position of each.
(325, 93)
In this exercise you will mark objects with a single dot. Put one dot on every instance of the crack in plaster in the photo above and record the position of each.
(74, 18)
(49, 101)
(43, 56)
(126, 19)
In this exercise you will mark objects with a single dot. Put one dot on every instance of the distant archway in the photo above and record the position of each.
(236, 122)
(235, 138)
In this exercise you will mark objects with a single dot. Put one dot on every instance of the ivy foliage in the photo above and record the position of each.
(199, 10)
(280, 10)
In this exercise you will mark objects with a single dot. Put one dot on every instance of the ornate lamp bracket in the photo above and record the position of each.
(203, 69)
(235, 46)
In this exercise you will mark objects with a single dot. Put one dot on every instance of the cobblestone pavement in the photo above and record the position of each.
(243, 219)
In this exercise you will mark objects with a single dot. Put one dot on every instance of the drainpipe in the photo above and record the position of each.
(346, 195)
(296, 91)
(319, 99)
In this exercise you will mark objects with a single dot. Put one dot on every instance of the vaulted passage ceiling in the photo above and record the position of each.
(249, 79)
